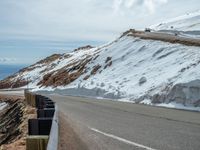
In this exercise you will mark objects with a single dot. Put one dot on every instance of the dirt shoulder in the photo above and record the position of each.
(14, 122)
(68, 139)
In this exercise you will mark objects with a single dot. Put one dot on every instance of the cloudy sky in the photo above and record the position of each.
(32, 29)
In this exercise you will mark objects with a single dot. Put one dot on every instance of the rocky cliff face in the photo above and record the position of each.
(14, 122)
(11, 119)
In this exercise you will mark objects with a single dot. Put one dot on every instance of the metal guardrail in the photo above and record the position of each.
(43, 131)
(53, 137)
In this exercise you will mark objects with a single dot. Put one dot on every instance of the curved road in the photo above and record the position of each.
(105, 124)
(167, 37)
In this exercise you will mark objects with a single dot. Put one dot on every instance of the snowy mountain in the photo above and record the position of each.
(188, 24)
(129, 69)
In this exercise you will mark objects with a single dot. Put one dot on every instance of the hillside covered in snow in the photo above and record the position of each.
(128, 69)
(188, 25)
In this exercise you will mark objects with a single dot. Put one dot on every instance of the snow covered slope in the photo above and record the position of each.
(188, 22)
(129, 68)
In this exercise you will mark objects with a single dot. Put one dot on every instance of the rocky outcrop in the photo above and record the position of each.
(15, 81)
(11, 119)
(49, 59)
(84, 48)
(65, 75)
(95, 69)
(7, 83)
(142, 80)
(108, 62)
(14, 122)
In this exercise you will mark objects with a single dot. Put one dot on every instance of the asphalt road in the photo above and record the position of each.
(12, 92)
(105, 124)
(168, 37)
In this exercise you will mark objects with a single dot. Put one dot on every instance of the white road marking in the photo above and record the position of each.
(122, 139)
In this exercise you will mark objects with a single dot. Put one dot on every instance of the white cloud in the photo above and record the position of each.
(95, 20)
(8, 60)
(150, 5)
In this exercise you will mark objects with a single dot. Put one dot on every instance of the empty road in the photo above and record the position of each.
(111, 125)
(167, 37)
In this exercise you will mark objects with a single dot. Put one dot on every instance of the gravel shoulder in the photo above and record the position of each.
(69, 140)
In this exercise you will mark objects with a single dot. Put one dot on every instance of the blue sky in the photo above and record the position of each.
(33, 29)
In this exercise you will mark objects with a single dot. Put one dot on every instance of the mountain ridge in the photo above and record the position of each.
(130, 68)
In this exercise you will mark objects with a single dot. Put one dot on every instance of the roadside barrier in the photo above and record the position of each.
(53, 138)
(43, 130)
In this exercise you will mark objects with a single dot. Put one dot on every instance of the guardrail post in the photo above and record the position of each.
(43, 131)
(36, 142)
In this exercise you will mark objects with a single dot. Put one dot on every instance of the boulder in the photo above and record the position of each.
(142, 80)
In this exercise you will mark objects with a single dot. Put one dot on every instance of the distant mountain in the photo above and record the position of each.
(129, 68)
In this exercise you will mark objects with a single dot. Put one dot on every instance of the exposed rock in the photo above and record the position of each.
(67, 56)
(86, 77)
(50, 59)
(158, 52)
(108, 65)
(128, 32)
(20, 82)
(7, 83)
(95, 69)
(108, 59)
(142, 80)
(11, 118)
(84, 48)
(65, 75)
(14, 123)
(165, 55)
(95, 57)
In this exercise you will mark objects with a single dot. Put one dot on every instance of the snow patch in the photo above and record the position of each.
(146, 101)
(178, 106)
(171, 105)
(3, 105)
